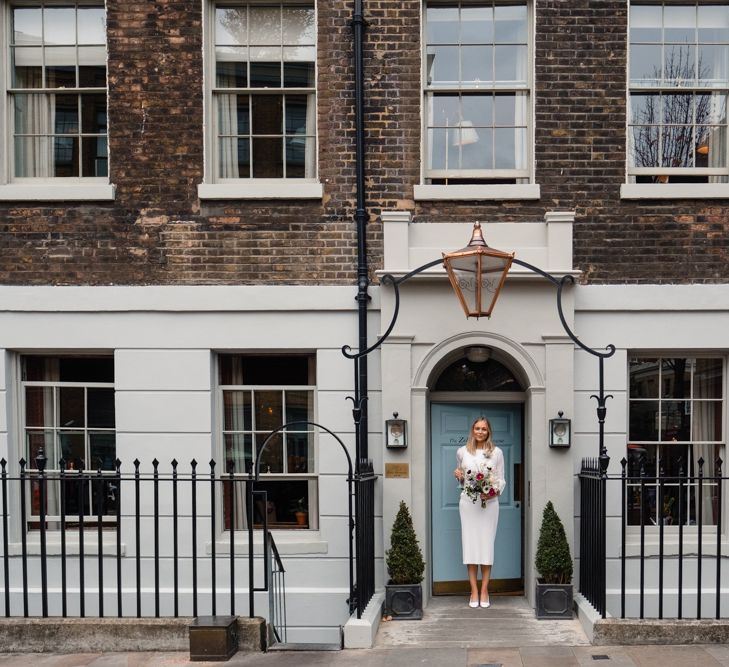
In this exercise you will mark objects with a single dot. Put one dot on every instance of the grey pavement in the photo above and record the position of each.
(450, 634)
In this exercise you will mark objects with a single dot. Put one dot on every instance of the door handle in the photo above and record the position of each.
(517, 505)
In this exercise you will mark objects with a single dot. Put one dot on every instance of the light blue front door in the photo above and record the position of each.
(450, 424)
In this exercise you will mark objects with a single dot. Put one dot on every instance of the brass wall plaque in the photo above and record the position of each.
(397, 470)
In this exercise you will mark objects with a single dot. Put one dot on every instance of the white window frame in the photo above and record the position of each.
(311, 477)
(690, 531)
(40, 189)
(632, 190)
(426, 191)
(213, 187)
(51, 465)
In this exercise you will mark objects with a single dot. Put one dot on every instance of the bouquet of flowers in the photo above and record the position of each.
(481, 484)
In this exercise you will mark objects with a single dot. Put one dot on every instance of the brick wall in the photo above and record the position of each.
(158, 231)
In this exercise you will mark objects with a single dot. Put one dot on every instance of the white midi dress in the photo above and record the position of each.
(478, 524)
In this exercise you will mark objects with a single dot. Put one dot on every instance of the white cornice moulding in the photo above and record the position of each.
(674, 191)
(57, 192)
(475, 192)
(263, 189)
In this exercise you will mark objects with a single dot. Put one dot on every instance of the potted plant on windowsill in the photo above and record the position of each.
(404, 593)
(301, 513)
(553, 562)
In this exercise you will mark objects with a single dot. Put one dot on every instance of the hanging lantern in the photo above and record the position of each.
(477, 274)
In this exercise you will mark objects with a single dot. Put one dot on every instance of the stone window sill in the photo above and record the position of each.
(674, 191)
(261, 189)
(49, 191)
(288, 543)
(53, 546)
(476, 192)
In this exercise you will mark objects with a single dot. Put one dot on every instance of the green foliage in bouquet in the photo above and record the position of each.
(553, 560)
(404, 558)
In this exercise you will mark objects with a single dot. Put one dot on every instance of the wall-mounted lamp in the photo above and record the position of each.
(560, 431)
(478, 354)
(396, 432)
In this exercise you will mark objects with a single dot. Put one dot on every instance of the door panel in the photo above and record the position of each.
(449, 431)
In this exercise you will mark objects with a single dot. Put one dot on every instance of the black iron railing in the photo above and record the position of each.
(670, 545)
(364, 483)
(100, 543)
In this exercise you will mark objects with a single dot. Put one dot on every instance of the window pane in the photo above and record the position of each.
(231, 25)
(296, 111)
(511, 63)
(66, 114)
(91, 25)
(508, 147)
(645, 109)
(679, 64)
(645, 64)
(265, 370)
(298, 448)
(679, 23)
(103, 451)
(442, 25)
(442, 65)
(299, 407)
(265, 25)
(71, 407)
(286, 498)
(266, 74)
(267, 115)
(298, 75)
(477, 25)
(676, 378)
(73, 450)
(713, 22)
(65, 157)
(92, 77)
(39, 406)
(299, 157)
(37, 441)
(478, 151)
(33, 156)
(707, 421)
(713, 64)
(100, 407)
(27, 25)
(677, 146)
(708, 378)
(643, 420)
(59, 25)
(268, 158)
(93, 114)
(94, 157)
(237, 411)
(511, 24)
(438, 149)
(27, 70)
(478, 109)
(61, 76)
(272, 457)
(233, 116)
(445, 110)
(239, 450)
(644, 146)
(299, 25)
(85, 369)
(268, 410)
(476, 64)
(644, 378)
(231, 74)
(234, 158)
(645, 23)
(675, 420)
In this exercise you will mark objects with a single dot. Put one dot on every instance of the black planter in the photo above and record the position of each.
(553, 601)
(404, 602)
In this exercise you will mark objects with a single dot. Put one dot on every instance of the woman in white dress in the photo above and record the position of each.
(479, 515)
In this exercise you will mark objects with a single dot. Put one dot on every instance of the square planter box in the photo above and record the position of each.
(553, 601)
(404, 602)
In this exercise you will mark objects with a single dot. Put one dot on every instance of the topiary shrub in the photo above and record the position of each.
(404, 558)
(553, 560)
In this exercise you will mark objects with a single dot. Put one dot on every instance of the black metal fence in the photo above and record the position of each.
(365, 479)
(670, 538)
(73, 528)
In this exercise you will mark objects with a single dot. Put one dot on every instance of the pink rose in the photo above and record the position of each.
(492, 493)
(479, 476)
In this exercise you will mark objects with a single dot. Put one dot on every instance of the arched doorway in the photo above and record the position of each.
(472, 385)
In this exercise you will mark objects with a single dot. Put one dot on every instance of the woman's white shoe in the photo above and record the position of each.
(485, 605)
(473, 604)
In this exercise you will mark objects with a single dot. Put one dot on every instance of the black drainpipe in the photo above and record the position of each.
(360, 218)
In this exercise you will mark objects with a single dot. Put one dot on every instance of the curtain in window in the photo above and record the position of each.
(34, 115)
(310, 163)
(704, 429)
(227, 128)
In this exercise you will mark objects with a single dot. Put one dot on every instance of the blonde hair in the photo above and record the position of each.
(471, 442)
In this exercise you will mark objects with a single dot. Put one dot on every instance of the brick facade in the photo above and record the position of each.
(158, 231)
